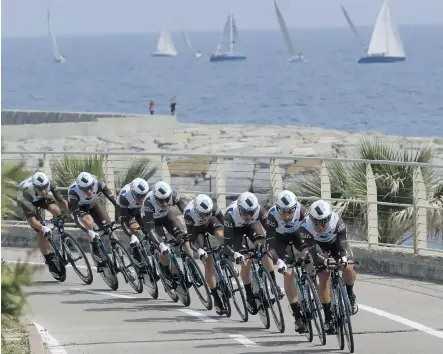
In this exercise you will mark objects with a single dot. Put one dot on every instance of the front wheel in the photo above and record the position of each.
(148, 274)
(345, 310)
(75, 253)
(106, 268)
(57, 262)
(234, 288)
(315, 307)
(273, 300)
(125, 263)
(180, 281)
(199, 282)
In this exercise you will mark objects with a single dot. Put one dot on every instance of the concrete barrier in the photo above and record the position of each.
(382, 260)
(80, 124)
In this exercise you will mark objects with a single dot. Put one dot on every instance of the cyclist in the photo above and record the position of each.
(202, 215)
(38, 191)
(283, 220)
(157, 206)
(83, 204)
(247, 216)
(325, 233)
(130, 201)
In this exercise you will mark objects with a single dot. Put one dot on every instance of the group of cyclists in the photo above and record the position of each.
(317, 231)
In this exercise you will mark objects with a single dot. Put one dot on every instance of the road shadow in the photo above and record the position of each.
(183, 319)
(153, 307)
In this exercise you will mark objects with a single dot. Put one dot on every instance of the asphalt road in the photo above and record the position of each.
(396, 316)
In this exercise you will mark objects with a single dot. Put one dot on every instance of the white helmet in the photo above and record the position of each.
(139, 188)
(320, 213)
(286, 202)
(203, 204)
(85, 181)
(162, 191)
(247, 203)
(40, 181)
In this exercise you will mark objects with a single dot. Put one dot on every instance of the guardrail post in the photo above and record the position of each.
(275, 176)
(220, 184)
(166, 175)
(46, 169)
(420, 211)
(325, 182)
(109, 176)
(372, 215)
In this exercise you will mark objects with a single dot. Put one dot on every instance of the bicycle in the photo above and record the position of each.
(109, 268)
(341, 308)
(262, 282)
(310, 304)
(148, 270)
(177, 287)
(226, 273)
(63, 253)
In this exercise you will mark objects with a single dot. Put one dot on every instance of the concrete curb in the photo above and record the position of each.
(35, 341)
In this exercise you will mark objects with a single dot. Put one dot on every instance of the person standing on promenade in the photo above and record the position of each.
(173, 104)
(151, 107)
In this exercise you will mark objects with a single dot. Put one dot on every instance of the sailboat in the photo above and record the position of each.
(385, 45)
(191, 50)
(296, 56)
(229, 35)
(55, 51)
(165, 45)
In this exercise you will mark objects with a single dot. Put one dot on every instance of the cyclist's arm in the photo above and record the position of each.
(123, 204)
(189, 222)
(303, 212)
(24, 200)
(271, 233)
(218, 214)
(102, 187)
(177, 200)
(57, 195)
(262, 217)
(342, 242)
(149, 223)
(73, 199)
(229, 235)
(316, 253)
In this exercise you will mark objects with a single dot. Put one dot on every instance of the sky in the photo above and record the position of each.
(80, 17)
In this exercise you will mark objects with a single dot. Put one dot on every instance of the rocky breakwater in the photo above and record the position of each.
(198, 173)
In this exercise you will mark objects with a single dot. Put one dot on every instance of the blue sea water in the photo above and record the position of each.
(115, 73)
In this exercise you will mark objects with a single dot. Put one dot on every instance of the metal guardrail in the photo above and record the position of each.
(224, 176)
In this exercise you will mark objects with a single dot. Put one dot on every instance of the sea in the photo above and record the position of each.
(115, 73)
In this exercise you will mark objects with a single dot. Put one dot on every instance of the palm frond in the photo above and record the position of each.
(66, 170)
(139, 169)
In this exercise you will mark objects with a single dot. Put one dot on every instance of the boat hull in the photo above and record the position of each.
(159, 54)
(223, 57)
(379, 59)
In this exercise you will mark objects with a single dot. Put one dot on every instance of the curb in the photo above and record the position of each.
(36, 345)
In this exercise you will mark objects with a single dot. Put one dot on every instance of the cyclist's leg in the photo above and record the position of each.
(134, 226)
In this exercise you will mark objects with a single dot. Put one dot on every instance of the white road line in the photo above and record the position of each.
(403, 320)
(243, 340)
(53, 345)
(198, 315)
(104, 293)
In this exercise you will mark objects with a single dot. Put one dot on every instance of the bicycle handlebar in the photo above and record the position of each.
(332, 263)
(106, 226)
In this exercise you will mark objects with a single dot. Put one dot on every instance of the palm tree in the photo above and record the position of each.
(394, 184)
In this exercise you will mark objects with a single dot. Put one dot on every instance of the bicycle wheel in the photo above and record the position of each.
(171, 292)
(74, 253)
(260, 300)
(131, 275)
(107, 271)
(57, 261)
(148, 277)
(200, 285)
(345, 309)
(273, 300)
(234, 287)
(338, 318)
(315, 307)
(179, 278)
(305, 307)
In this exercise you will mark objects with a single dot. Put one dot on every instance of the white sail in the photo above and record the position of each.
(189, 45)
(385, 39)
(165, 44)
(228, 36)
(353, 29)
(55, 51)
(287, 37)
